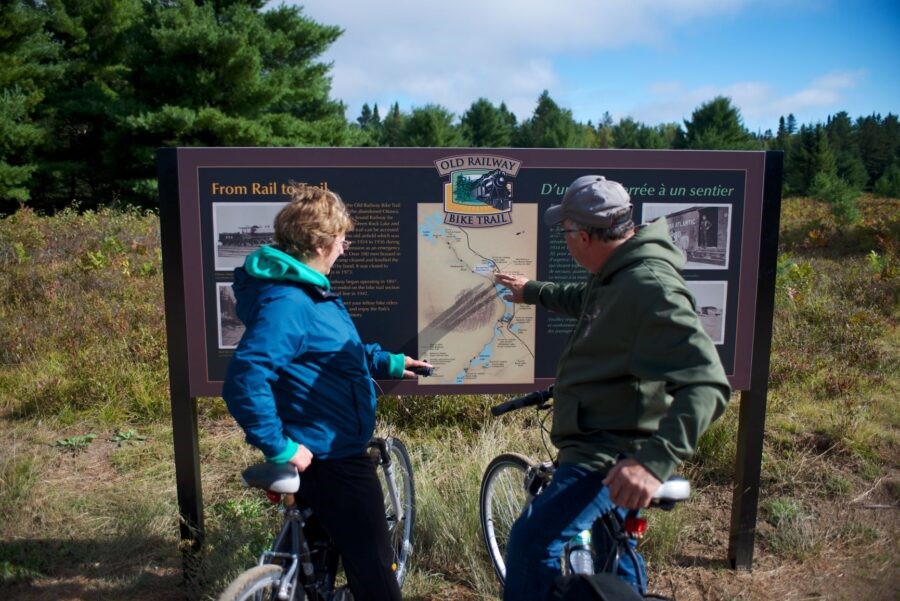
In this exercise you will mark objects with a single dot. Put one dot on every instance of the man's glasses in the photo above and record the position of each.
(345, 244)
(565, 231)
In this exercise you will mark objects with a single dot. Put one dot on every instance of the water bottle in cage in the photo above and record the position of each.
(579, 555)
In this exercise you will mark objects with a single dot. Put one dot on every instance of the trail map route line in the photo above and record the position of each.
(467, 330)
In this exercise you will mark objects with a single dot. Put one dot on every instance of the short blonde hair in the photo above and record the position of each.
(314, 218)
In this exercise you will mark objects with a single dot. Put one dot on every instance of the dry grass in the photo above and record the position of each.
(81, 518)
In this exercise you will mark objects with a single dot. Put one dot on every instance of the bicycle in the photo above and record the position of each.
(302, 562)
(511, 481)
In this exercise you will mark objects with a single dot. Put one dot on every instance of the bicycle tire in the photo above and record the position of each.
(400, 531)
(503, 498)
(259, 583)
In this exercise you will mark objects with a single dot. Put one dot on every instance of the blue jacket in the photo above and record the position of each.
(301, 374)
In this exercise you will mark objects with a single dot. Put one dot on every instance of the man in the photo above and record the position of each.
(637, 384)
(705, 226)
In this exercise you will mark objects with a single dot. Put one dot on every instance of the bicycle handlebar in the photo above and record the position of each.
(538, 397)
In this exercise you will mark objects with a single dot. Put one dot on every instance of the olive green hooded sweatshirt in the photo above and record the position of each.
(639, 377)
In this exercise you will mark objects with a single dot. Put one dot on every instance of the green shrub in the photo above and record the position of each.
(81, 313)
(794, 534)
(665, 535)
(794, 279)
(714, 458)
(18, 476)
(888, 185)
(839, 194)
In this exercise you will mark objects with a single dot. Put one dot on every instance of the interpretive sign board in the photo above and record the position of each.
(432, 225)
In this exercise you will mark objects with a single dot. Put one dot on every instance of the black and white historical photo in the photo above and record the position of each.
(702, 232)
(230, 327)
(239, 228)
(710, 298)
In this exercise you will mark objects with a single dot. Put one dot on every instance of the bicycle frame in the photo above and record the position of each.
(538, 477)
(291, 547)
(619, 533)
(384, 461)
(291, 537)
(503, 474)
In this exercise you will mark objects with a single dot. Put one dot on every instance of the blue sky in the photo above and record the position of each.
(653, 60)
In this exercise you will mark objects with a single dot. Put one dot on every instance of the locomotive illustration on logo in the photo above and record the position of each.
(480, 190)
(493, 188)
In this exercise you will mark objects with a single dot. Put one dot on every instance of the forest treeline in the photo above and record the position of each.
(91, 88)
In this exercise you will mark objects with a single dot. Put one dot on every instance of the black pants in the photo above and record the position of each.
(346, 497)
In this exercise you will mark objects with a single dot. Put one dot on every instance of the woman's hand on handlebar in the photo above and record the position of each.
(302, 458)
(413, 368)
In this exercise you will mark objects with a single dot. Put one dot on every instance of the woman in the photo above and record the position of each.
(300, 382)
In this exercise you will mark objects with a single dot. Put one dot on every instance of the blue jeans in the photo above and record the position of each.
(572, 501)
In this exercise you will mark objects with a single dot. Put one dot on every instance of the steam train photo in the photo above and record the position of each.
(251, 235)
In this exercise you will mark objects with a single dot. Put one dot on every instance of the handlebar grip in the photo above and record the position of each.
(533, 398)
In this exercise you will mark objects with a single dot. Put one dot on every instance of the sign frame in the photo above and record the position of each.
(182, 233)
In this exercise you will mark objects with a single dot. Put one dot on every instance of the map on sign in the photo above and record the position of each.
(466, 329)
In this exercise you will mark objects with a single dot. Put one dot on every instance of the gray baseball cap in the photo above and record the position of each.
(592, 200)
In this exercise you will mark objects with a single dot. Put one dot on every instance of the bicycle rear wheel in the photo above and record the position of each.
(400, 524)
(503, 498)
(259, 583)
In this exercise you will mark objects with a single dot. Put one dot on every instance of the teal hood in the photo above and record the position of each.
(269, 263)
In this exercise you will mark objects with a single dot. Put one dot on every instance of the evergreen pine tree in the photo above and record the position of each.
(888, 185)
(799, 162)
(431, 125)
(82, 163)
(717, 125)
(144, 74)
(603, 136)
(791, 124)
(484, 125)
(873, 151)
(368, 127)
(508, 117)
(842, 139)
(392, 126)
(782, 139)
(28, 66)
(365, 117)
(824, 161)
(550, 127)
(625, 134)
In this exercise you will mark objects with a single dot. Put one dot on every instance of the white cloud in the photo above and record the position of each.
(452, 53)
(825, 91)
(760, 103)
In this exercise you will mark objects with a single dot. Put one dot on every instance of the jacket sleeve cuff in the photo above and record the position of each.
(396, 365)
(286, 455)
(531, 291)
(656, 461)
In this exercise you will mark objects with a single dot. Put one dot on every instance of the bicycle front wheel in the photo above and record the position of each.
(259, 583)
(503, 498)
(400, 520)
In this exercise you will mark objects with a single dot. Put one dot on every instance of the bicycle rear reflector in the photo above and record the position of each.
(636, 527)
(274, 497)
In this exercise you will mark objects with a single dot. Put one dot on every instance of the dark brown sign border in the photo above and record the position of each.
(190, 160)
(185, 321)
